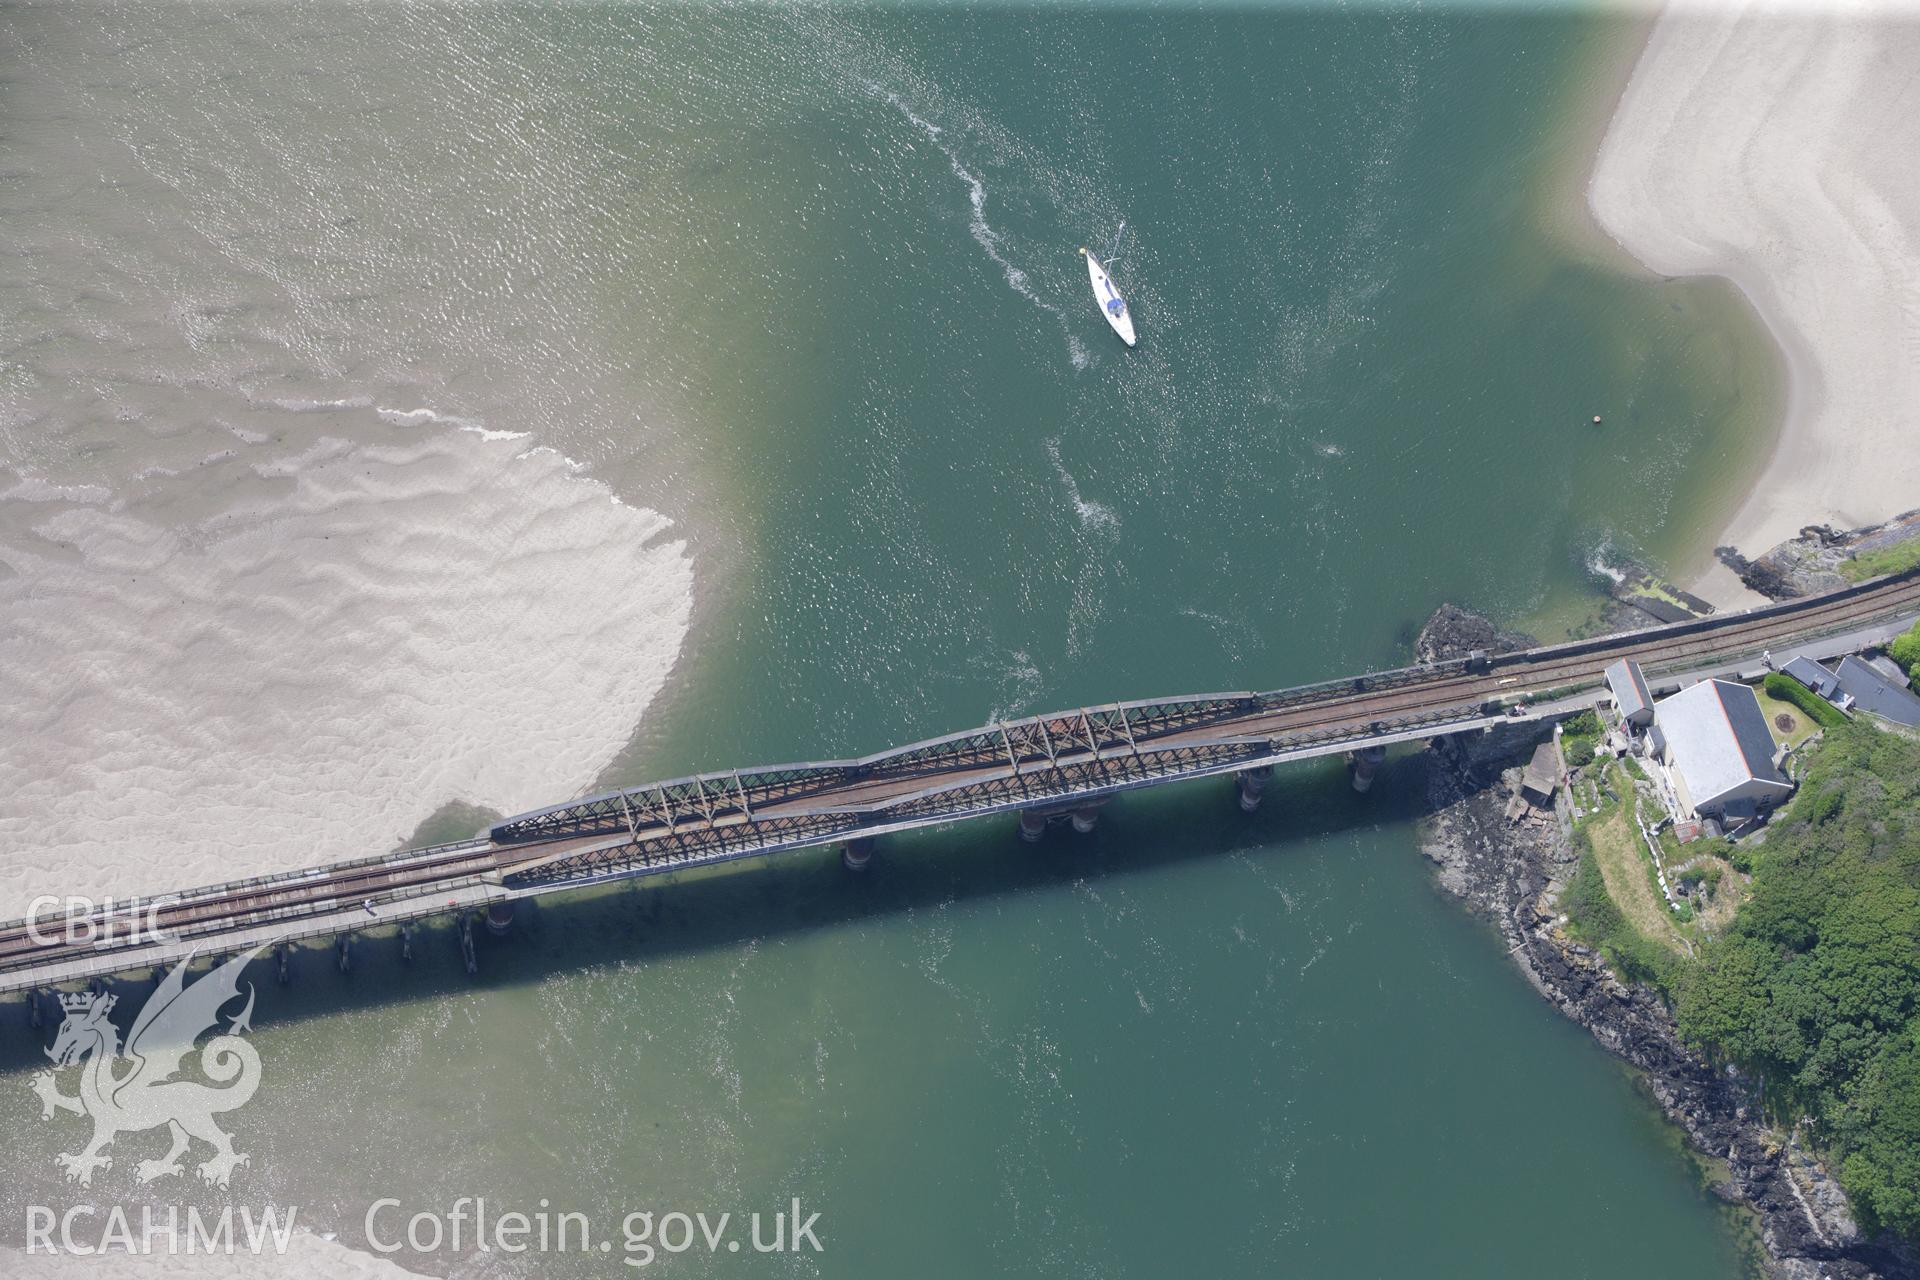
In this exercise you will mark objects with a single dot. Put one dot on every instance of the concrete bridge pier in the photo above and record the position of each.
(1086, 818)
(282, 955)
(1252, 786)
(856, 855)
(406, 944)
(1033, 825)
(346, 952)
(1365, 763)
(466, 945)
(33, 1008)
(499, 918)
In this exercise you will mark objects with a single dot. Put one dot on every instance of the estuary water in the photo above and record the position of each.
(483, 404)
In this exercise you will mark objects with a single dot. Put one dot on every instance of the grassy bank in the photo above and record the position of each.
(1871, 564)
(1614, 902)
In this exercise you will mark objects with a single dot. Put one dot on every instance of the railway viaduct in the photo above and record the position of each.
(1043, 769)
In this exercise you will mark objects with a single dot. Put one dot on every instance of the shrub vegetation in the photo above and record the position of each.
(1816, 986)
(1584, 725)
(1818, 709)
(1578, 736)
(1905, 650)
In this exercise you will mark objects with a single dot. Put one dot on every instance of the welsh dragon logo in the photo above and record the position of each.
(133, 1090)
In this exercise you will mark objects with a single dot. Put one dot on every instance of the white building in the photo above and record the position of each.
(1714, 738)
(1629, 686)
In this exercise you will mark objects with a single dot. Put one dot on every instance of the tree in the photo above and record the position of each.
(1905, 650)
(1725, 1001)
(1882, 1172)
(1817, 984)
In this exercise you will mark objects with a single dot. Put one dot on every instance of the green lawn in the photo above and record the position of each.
(1902, 555)
(1799, 725)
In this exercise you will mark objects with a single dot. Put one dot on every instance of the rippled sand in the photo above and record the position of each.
(1772, 144)
(298, 335)
(335, 641)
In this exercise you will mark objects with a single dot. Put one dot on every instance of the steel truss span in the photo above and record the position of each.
(1085, 754)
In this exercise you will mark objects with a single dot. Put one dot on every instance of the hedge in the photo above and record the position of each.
(1818, 709)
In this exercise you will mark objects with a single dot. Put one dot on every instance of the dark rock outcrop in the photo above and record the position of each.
(1453, 632)
(1766, 575)
(1813, 560)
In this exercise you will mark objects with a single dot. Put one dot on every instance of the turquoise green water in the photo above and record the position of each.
(1365, 385)
(842, 334)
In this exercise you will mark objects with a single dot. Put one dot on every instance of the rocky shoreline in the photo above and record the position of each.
(1509, 862)
(1816, 559)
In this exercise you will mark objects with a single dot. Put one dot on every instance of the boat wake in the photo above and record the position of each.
(990, 239)
(1093, 515)
(1096, 545)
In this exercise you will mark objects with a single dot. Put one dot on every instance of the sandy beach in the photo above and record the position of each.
(348, 633)
(302, 535)
(1773, 147)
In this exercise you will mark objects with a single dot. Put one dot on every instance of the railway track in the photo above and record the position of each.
(1537, 670)
(1318, 719)
(305, 893)
(811, 800)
